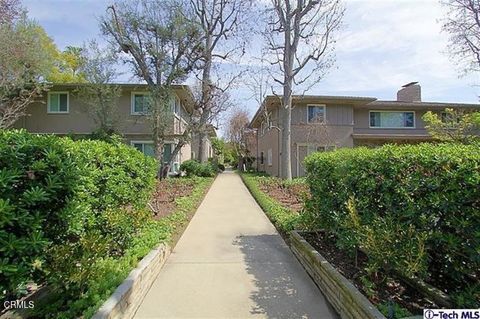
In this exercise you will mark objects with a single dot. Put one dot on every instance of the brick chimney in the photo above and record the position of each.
(410, 92)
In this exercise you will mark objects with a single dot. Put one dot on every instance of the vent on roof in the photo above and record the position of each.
(410, 92)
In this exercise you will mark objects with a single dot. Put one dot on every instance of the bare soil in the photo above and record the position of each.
(167, 191)
(379, 288)
(290, 195)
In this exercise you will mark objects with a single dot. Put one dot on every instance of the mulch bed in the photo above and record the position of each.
(291, 196)
(166, 192)
(384, 288)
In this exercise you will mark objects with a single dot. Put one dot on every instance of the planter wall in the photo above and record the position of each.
(349, 302)
(126, 299)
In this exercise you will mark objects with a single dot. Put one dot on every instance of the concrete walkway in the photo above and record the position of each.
(232, 263)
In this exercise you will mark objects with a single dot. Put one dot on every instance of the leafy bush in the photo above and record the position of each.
(414, 209)
(109, 136)
(283, 218)
(106, 273)
(64, 203)
(194, 168)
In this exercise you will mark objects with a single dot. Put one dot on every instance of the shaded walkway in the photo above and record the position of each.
(232, 263)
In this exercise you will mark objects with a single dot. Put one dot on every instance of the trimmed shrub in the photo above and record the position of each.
(65, 202)
(414, 209)
(194, 168)
(105, 273)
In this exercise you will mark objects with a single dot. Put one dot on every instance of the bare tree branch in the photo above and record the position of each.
(164, 48)
(300, 39)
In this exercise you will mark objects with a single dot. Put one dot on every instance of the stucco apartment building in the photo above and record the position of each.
(61, 111)
(323, 123)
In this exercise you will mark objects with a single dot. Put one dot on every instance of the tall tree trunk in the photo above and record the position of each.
(206, 100)
(287, 101)
(286, 142)
(159, 143)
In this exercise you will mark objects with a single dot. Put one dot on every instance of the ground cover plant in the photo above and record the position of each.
(279, 199)
(75, 218)
(413, 210)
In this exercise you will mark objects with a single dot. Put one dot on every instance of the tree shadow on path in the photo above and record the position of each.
(284, 290)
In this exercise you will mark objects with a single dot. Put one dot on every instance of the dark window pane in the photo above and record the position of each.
(63, 102)
(409, 119)
(139, 103)
(148, 149)
(374, 119)
(316, 113)
(54, 101)
(167, 152)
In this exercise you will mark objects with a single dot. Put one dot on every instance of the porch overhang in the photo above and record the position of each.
(391, 136)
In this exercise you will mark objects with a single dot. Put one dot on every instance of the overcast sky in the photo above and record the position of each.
(383, 45)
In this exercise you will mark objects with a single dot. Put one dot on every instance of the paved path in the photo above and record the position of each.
(232, 263)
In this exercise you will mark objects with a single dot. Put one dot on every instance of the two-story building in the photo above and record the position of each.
(62, 111)
(323, 123)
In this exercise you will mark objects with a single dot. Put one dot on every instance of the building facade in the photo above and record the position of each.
(61, 111)
(323, 123)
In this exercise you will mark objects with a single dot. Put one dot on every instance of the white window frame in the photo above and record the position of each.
(58, 112)
(132, 102)
(269, 157)
(324, 113)
(395, 128)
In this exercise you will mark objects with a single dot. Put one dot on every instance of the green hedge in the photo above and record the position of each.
(194, 168)
(414, 209)
(283, 218)
(108, 272)
(64, 204)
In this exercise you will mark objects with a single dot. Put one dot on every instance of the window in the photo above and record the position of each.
(58, 102)
(147, 148)
(140, 103)
(144, 147)
(392, 119)
(314, 148)
(175, 105)
(316, 113)
(269, 157)
(450, 118)
(261, 158)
